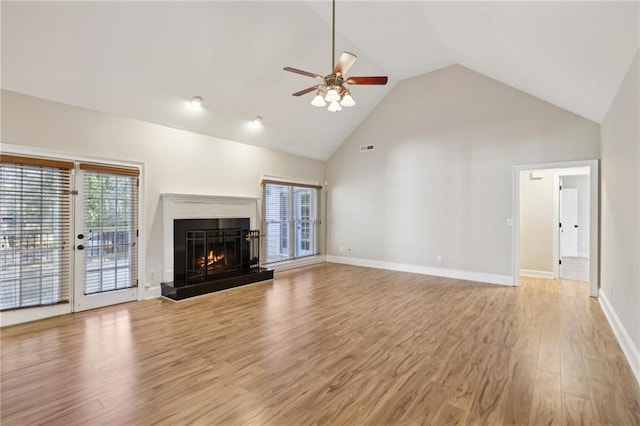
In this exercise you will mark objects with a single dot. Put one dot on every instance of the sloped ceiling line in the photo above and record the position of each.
(144, 60)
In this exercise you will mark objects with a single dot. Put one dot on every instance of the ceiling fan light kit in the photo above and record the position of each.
(332, 88)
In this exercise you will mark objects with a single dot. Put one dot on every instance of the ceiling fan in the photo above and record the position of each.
(331, 88)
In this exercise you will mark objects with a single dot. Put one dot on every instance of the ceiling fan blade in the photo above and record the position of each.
(380, 80)
(344, 63)
(307, 90)
(305, 73)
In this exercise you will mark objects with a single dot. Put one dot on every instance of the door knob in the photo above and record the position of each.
(80, 247)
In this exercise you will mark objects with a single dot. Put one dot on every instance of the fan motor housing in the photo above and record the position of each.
(333, 80)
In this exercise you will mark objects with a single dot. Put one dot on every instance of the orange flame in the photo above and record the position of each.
(213, 258)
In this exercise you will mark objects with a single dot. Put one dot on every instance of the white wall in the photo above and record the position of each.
(620, 228)
(439, 181)
(581, 184)
(174, 160)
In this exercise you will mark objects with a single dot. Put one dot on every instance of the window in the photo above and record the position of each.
(290, 220)
(35, 232)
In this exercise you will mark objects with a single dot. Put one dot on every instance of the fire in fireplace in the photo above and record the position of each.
(211, 252)
(214, 262)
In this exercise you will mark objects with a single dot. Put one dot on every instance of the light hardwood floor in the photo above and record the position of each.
(329, 344)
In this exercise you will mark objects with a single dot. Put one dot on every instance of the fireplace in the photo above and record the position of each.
(209, 249)
(213, 254)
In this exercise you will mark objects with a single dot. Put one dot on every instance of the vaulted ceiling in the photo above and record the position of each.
(144, 60)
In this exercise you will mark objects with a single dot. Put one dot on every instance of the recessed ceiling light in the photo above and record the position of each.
(257, 122)
(196, 102)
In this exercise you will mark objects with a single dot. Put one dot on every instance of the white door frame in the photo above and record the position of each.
(594, 202)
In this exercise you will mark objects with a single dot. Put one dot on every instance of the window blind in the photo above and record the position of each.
(35, 227)
(290, 220)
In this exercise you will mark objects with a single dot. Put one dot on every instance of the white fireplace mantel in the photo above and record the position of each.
(193, 206)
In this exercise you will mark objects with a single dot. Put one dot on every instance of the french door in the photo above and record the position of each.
(106, 236)
(302, 212)
(290, 220)
(68, 236)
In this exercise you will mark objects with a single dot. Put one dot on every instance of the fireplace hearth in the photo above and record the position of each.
(213, 254)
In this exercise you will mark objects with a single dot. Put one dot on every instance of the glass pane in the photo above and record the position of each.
(34, 235)
(110, 231)
(276, 251)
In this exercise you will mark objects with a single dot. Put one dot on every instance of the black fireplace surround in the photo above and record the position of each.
(211, 255)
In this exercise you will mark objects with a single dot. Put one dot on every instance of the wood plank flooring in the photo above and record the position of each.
(328, 344)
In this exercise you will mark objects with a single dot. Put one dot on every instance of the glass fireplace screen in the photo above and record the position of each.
(212, 252)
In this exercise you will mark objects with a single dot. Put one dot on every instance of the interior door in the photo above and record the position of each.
(569, 221)
(106, 235)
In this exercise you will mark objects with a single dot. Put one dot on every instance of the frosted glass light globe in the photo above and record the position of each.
(334, 107)
(347, 100)
(318, 101)
(332, 95)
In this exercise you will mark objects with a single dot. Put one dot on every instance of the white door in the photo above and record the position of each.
(569, 221)
(106, 210)
(302, 213)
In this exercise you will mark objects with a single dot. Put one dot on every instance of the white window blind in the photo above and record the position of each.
(35, 239)
(110, 228)
(290, 220)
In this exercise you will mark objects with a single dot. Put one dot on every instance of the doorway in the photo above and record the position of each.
(574, 227)
(533, 241)
(106, 236)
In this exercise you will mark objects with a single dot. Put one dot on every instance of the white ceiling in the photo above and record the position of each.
(144, 60)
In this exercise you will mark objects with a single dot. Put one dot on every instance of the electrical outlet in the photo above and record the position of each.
(509, 222)
(152, 275)
(439, 259)
(341, 249)
(349, 250)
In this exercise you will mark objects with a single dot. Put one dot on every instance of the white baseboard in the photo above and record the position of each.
(297, 263)
(20, 316)
(629, 349)
(536, 274)
(425, 270)
(151, 293)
